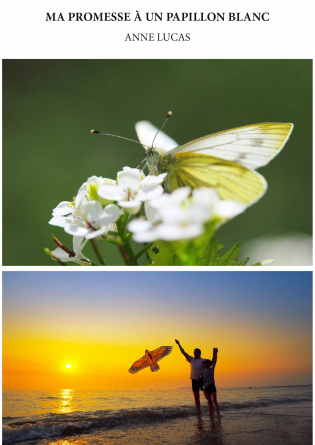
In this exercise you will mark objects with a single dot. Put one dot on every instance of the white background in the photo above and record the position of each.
(26, 34)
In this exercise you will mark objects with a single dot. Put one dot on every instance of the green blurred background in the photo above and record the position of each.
(50, 106)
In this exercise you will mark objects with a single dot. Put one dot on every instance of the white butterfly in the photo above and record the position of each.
(225, 161)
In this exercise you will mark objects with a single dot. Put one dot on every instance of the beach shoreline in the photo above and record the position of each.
(281, 415)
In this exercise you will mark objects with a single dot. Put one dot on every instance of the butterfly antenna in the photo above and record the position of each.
(120, 137)
(169, 114)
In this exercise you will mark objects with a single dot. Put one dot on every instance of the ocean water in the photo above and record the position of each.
(260, 416)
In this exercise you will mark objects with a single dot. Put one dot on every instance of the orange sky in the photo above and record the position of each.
(46, 329)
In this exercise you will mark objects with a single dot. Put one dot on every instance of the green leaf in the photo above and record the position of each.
(211, 253)
(230, 257)
(165, 257)
(176, 261)
(170, 255)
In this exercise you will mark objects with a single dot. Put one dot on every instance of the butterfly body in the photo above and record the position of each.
(159, 160)
(225, 161)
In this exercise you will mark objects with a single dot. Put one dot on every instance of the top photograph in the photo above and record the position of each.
(157, 162)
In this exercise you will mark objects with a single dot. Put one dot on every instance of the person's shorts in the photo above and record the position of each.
(210, 388)
(196, 384)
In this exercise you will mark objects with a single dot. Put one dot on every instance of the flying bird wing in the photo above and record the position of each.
(140, 364)
(161, 352)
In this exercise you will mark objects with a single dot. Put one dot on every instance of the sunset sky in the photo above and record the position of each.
(101, 322)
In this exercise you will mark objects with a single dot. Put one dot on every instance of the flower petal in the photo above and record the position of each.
(92, 211)
(78, 244)
(145, 236)
(65, 257)
(151, 179)
(149, 191)
(131, 207)
(175, 198)
(228, 209)
(96, 233)
(172, 215)
(204, 196)
(179, 195)
(151, 212)
(139, 225)
(75, 230)
(62, 255)
(112, 192)
(110, 214)
(59, 221)
(168, 232)
(79, 198)
(197, 213)
(62, 209)
(129, 179)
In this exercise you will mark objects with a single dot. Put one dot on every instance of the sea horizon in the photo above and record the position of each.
(69, 416)
(145, 389)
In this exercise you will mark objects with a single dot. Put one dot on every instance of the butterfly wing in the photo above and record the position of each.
(140, 364)
(161, 352)
(251, 146)
(230, 180)
(146, 133)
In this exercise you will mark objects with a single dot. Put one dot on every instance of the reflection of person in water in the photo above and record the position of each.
(209, 385)
(196, 370)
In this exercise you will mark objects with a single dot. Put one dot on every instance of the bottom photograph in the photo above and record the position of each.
(175, 358)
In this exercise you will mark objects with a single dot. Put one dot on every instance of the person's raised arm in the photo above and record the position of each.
(181, 349)
(215, 357)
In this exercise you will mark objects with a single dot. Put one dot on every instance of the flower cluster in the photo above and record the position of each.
(98, 205)
(132, 188)
(182, 215)
(102, 208)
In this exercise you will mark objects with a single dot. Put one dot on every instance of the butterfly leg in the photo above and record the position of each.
(166, 182)
(140, 165)
(152, 169)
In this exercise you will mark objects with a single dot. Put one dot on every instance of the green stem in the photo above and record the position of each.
(145, 249)
(62, 247)
(125, 248)
(97, 252)
(112, 241)
(49, 253)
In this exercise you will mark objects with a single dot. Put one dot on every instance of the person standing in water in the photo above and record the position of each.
(210, 390)
(196, 370)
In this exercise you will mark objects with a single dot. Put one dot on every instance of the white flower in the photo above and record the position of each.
(222, 209)
(94, 221)
(91, 187)
(132, 188)
(59, 213)
(180, 216)
(87, 193)
(79, 258)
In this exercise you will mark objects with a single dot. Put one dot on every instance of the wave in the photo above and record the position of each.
(53, 425)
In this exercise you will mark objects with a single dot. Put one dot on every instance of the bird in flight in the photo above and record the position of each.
(150, 359)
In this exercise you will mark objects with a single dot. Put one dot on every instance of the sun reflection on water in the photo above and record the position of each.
(65, 401)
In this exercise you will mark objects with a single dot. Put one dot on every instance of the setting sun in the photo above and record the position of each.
(68, 365)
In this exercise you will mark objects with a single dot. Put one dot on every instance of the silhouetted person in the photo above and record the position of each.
(196, 370)
(210, 390)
